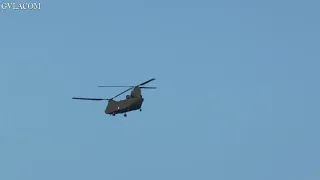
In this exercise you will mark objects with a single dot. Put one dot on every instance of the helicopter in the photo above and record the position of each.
(132, 102)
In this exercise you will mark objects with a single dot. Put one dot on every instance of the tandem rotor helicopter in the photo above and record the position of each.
(132, 102)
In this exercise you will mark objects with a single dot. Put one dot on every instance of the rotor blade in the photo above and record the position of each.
(147, 82)
(134, 87)
(92, 99)
(115, 86)
(122, 92)
(143, 87)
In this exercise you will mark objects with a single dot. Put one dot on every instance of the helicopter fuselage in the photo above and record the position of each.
(124, 106)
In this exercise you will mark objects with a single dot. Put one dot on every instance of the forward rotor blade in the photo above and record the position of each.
(115, 86)
(92, 99)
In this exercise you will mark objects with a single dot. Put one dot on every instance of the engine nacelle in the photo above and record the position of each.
(128, 96)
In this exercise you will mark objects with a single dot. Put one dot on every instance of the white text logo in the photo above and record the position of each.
(20, 6)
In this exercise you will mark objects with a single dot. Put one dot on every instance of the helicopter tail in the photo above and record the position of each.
(136, 92)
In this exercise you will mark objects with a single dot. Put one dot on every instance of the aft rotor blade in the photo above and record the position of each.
(145, 87)
(134, 87)
(148, 87)
(122, 92)
(147, 82)
(92, 99)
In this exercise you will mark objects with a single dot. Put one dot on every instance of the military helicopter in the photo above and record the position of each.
(132, 102)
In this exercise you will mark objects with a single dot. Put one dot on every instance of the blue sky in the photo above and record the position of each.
(237, 98)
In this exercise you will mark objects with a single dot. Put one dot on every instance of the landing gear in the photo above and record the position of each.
(140, 110)
(125, 115)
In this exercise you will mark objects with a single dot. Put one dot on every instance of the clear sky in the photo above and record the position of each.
(237, 98)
